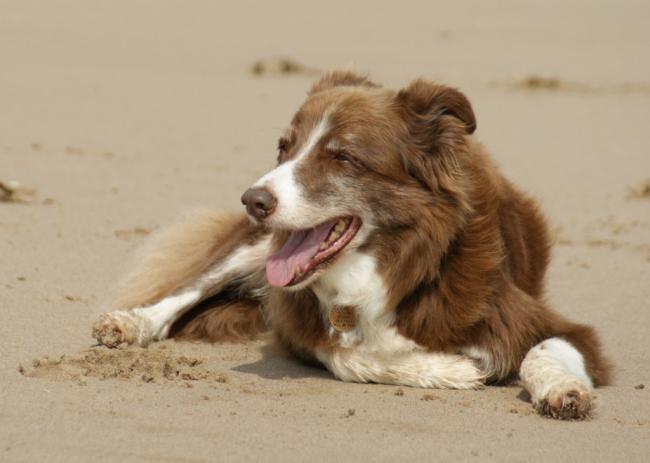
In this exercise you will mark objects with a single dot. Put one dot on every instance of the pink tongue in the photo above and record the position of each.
(295, 255)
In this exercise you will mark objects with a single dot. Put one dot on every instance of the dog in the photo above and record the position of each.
(385, 246)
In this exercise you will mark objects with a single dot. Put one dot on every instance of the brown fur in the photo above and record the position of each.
(223, 321)
(341, 78)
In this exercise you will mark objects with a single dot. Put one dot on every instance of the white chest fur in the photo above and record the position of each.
(374, 351)
(354, 281)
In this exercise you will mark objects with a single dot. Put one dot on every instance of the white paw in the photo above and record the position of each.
(568, 400)
(122, 326)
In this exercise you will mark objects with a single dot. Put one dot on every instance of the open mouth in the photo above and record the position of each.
(307, 251)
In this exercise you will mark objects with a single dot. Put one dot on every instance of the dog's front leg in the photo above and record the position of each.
(232, 253)
(143, 325)
(417, 368)
(554, 375)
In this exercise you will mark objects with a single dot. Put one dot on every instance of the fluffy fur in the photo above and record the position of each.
(445, 273)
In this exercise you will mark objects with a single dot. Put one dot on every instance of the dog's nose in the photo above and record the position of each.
(259, 202)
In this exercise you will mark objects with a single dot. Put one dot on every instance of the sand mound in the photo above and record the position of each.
(640, 192)
(158, 364)
(282, 67)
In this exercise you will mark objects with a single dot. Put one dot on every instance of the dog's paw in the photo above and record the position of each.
(571, 400)
(120, 327)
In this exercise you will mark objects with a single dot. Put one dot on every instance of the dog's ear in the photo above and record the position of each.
(341, 78)
(438, 119)
(428, 103)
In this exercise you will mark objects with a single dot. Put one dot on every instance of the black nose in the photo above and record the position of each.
(259, 202)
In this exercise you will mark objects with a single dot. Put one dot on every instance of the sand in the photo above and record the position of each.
(117, 116)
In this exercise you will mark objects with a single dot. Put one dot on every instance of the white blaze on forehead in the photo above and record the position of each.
(281, 181)
(315, 136)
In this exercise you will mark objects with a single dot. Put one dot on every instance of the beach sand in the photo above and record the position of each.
(115, 117)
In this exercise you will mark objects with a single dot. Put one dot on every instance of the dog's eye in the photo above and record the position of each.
(342, 156)
(283, 144)
(283, 147)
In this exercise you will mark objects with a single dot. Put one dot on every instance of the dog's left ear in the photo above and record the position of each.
(437, 119)
(429, 102)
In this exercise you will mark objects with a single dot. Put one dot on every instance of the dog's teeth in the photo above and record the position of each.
(322, 246)
(340, 226)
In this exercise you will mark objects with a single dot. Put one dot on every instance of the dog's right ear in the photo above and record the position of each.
(341, 78)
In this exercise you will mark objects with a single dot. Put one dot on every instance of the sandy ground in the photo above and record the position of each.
(123, 114)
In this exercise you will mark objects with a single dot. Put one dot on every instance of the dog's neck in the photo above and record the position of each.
(352, 281)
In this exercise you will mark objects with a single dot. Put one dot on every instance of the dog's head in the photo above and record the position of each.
(356, 158)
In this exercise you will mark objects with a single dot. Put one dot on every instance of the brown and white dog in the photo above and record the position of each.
(385, 246)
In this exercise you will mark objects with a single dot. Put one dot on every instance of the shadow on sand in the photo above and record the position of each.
(276, 364)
